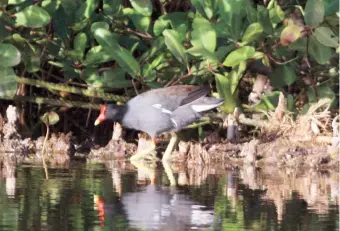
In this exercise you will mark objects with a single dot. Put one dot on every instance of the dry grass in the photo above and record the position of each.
(317, 121)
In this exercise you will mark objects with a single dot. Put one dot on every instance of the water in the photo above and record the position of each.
(115, 196)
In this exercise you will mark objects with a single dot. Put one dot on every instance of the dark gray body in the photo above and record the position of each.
(167, 109)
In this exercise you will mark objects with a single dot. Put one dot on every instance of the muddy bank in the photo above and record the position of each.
(282, 142)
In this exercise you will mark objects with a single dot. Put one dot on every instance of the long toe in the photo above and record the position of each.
(152, 156)
(145, 154)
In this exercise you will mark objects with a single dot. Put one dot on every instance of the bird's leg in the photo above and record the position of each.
(169, 172)
(173, 141)
(146, 152)
(145, 167)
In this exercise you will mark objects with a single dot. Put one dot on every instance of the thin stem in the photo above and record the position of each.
(182, 78)
(282, 63)
(54, 102)
(147, 36)
(134, 86)
(71, 89)
(43, 150)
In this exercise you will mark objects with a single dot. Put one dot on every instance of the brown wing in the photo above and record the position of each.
(187, 93)
(171, 98)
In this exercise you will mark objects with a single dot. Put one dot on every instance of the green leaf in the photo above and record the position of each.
(320, 52)
(276, 14)
(123, 57)
(203, 35)
(161, 24)
(299, 45)
(8, 84)
(283, 75)
(60, 23)
(131, 42)
(91, 76)
(251, 12)
(232, 13)
(222, 30)
(323, 90)
(173, 43)
(112, 7)
(80, 43)
(205, 8)
(80, 25)
(252, 33)
(198, 4)
(143, 7)
(51, 6)
(156, 47)
(268, 102)
(226, 86)
(97, 25)
(50, 118)
(222, 51)
(290, 34)
(326, 36)
(22, 43)
(3, 31)
(32, 16)
(91, 5)
(290, 103)
(56, 64)
(96, 55)
(9, 55)
(32, 60)
(331, 7)
(264, 19)
(314, 12)
(158, 61)
(3, 4)
(177, 20)
(114, 79)
(209, 7)
(141, 22)
(201, 51)
(239, 55)
(15, 2)
(149, 74)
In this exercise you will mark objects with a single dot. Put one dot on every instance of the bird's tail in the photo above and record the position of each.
(206, 103)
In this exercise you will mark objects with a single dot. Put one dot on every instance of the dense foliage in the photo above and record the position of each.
(124, 47)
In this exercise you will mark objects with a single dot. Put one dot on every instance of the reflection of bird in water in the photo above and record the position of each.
(99, 206)
(159, 209)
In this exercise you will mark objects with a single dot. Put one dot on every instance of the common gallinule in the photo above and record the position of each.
(161, 110)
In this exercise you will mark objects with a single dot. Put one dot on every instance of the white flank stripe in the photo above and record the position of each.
(159, 106)
(200, 108)
(174, 122)
(166, 111)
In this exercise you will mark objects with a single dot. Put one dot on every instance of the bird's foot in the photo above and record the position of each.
(150, 156)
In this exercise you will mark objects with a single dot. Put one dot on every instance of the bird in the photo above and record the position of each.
(161, 110)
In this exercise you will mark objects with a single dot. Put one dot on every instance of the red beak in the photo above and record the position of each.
(101, 116)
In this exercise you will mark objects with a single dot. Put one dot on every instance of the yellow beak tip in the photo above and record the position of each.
(96, 122)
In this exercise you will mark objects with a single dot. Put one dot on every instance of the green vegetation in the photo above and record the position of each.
(81, 53)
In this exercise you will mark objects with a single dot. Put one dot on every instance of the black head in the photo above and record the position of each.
(110, 111)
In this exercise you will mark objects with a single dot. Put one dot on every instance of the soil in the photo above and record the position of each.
(214, 149)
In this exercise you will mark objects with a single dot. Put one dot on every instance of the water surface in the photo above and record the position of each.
(118, 196)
